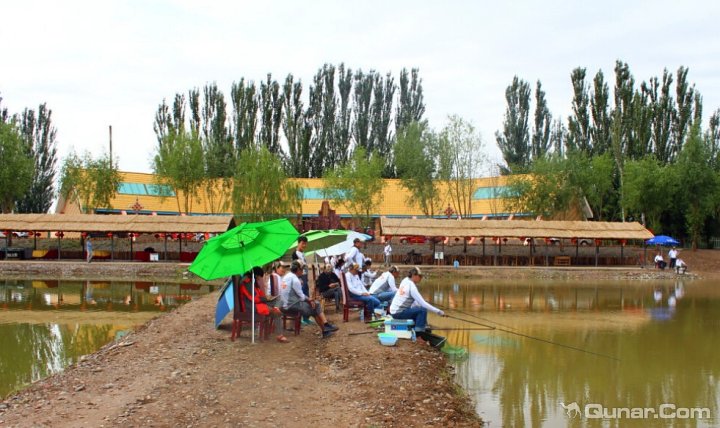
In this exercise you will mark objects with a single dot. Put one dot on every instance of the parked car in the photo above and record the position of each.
(15, 234)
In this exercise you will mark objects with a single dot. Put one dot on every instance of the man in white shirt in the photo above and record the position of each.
(384, 287)
(354, 255)
(672, 255)
(357, 290)
(408, 303)
(387, 252)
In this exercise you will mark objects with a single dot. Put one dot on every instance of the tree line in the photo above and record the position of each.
(638, 152)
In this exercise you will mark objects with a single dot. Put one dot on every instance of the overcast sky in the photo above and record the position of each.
(101, 63)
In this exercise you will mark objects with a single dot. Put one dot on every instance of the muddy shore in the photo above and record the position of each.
(177, 370)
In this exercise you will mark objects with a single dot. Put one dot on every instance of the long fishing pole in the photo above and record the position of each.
(539, 339)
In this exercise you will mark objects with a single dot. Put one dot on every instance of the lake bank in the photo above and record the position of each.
(177, 370)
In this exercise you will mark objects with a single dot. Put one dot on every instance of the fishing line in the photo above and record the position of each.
(539, 339)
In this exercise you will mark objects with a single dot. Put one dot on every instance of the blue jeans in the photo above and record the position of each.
(417, 314)
(370, 301)
(385, 296)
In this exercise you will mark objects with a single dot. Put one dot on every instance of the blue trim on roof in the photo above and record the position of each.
(140, 189)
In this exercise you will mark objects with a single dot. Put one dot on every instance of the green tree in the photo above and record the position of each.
(684, 94)
(699, 194)
(357, 185)
(178, 163)
(262, 190)
(321, 114)
(663, 105)
(271, 104)
(712, 138)
(90, 182)
(600, 128)
(411, 105)
(16, 175)
(650, 188)
(543, 124)
(579, 122)
(514, 140)
(380, 133)
(219, 151)
(362, 98)
(244, 113)
(344, 115)
(460, 160)
(415, 153)
(297, 129)
(39, 135)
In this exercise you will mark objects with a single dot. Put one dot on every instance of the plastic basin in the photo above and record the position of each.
(387, 339)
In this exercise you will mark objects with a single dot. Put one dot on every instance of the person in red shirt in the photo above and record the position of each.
(263, 305)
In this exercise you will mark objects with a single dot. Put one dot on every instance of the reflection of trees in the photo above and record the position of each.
(29, 352)
(661, 362)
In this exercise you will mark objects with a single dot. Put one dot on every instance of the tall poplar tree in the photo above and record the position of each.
(381, 116)
(599, 104)
(543, 123)
(344, 114)
(39, 135)
(271, 105)
(579, 121)
(663, 105)
(411, 105)
(362, 98)
(514, 141)
(297, 132)
(243, 96)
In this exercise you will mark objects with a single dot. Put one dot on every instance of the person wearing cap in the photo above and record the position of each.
(328, 285)
(384, 287)
(263, 305)
(295, 301)
(357, 289)
(354, 255)
(408, 303)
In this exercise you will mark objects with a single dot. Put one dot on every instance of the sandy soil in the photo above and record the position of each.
(177, 370)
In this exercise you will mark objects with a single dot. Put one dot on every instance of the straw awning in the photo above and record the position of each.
(513, 228)
(115, 223)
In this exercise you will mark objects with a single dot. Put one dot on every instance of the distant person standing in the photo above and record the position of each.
(672, 255)
(387, 252)
(88, 249)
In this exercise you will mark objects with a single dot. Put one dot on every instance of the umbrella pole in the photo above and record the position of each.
(252, 317)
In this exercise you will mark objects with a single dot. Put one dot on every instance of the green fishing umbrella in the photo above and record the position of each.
(319, 239)
(240, 249)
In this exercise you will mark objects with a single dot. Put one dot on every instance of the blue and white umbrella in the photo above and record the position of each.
(662, 240)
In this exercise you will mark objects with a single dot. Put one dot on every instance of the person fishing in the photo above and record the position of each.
(264, 305)
(408, 303)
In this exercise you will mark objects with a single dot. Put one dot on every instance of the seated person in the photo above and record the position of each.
(328, 284)
(409, 304)
(295, 301)
(368, 275)
(659, 262)
(338, 266)
(384, 287)
(357, 290)
(263, 305)
(680, 266)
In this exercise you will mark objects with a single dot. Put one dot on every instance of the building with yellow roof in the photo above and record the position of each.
(138, 193)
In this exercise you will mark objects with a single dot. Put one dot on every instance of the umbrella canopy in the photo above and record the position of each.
(240, 249)
(662, 240)
(319, 239)
(343, 247)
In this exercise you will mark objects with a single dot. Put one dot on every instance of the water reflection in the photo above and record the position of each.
(665, 335)
(46, 325)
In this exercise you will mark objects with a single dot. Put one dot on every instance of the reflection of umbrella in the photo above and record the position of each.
(320, 239)
(662, 240)
(239, 250)
(343, 247)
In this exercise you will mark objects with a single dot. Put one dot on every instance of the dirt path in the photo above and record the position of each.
(179, 371)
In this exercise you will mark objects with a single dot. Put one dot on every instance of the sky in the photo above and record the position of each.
(99, 63)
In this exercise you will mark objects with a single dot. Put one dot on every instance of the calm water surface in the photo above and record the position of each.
(47, 325)
(666, 336)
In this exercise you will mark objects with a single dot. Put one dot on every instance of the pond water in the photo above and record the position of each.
(45, 325)
(603, 346)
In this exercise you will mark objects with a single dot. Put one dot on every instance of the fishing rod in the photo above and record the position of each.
(539, 339)
(461, 329)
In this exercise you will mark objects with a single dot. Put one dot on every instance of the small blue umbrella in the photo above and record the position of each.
(662, 240)
(225, 303)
